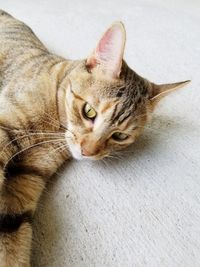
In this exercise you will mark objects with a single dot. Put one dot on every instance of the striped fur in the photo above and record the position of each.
(28, 115)
(41, 123)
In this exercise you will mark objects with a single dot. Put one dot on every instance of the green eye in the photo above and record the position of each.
(119, 136)
(89, 112)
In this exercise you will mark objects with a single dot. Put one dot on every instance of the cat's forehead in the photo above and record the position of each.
(95, 83)
(129, 87)
(122, 97)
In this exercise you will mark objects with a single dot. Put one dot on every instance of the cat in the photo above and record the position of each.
(52, 109)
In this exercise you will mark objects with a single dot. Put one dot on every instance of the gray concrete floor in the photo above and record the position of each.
(142, 210)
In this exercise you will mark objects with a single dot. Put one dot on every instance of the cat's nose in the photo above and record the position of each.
(90, 149)
(86, 152)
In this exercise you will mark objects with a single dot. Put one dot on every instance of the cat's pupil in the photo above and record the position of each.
(89, 112)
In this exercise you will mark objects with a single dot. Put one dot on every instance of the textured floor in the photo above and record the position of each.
(142, 210)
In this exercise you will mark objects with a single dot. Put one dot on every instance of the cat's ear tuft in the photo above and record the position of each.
(108, 54)
(158, 91)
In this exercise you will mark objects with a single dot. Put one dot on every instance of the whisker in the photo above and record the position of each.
(58, 148)
(7, 128)
(60, 124)
(121, 153)
(52, 118)
(56, 121)
(28, 135)
(105, 162)
(113, 156)
(50, 122)
(42, 131)
(32, 146)
(27, 130)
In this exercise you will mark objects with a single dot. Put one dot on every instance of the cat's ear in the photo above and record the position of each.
(109, 51)
(158, 91)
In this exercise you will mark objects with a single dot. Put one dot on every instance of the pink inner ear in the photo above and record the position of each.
(105, 44)
(102, 50)
(109, 51)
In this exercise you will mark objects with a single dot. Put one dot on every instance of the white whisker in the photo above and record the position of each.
(28, 135)
(55, 121)
(32, 146)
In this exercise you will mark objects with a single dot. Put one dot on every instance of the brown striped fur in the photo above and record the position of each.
(41, 122)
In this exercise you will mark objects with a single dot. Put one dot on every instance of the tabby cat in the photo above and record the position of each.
(52, 109)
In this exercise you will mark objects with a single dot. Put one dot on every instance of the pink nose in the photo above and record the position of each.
(86, 152)
(89, 150)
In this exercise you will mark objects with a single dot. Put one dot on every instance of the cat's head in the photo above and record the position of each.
(103, 102)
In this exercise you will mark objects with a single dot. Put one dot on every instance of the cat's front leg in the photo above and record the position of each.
(20, 189)
(15, 246)
(22, 181)
(18, 199)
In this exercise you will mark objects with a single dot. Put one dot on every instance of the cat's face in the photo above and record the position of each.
(105, 104)
(102, 115)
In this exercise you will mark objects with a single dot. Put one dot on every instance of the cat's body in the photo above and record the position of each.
(25, 98)
(41, 94)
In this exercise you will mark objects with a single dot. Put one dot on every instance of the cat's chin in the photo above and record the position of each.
(85, 158)
(81, 157)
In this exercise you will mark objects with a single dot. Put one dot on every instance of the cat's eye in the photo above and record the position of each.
(119, 136)
(89, 112)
